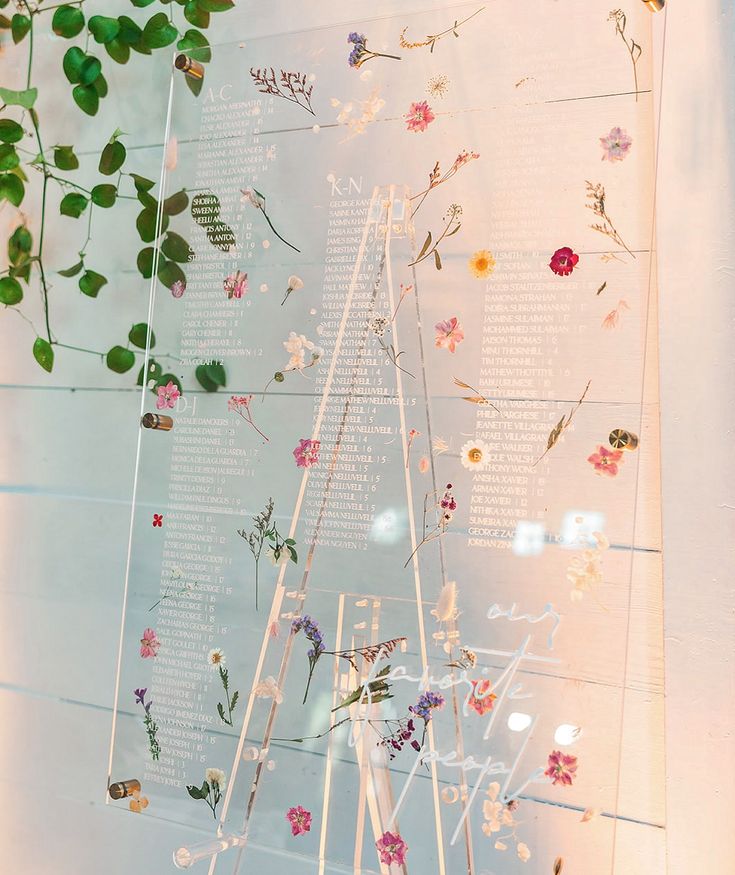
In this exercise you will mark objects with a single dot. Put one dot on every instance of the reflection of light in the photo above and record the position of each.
(517, 722)
(566, 733)
(577, 527)
(387, 526)
(528, 539)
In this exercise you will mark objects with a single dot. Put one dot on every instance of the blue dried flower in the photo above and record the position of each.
(426, 703)
(356, 38)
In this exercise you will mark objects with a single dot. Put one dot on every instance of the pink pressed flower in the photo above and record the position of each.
(616, 145)
(419, 116)
(168, 395)
(237, 402)
(157, 520)
(562, 768)
(149, 644)
(563, 261)
(236, 284)
(392, 848)
(482, 698)
(424, 464)
(300, 820)
(448, 334)
(307, 453)
(605, 461)
(178, 288)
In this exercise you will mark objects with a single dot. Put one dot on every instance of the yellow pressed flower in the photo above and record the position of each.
(482, 264)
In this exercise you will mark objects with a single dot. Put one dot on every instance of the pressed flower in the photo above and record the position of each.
(149, 644)
(168, 395)
(616, 145)
(419, 116)
(475, 455)
(448, 334)
(157, 520)
(358, 114)
(605, 461)
(446, 606)
(360, 52)
(562, 768)
(590, 814)
(392, 849)
(294, 284)
(563, 261)
(236, 284)
(138, 803)
(482, 698)
(269, 689)
(313, 633)
(178, 288)
(613, 317)
(307, 453)
(427, 703)
(523, 851)
(215, 776)
(424, 464)
(297, 346)
(300, 820)
(482, 264)
(216, 657)
(210, 791)
(438, 86)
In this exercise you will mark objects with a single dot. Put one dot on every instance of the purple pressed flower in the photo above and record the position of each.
(140, 695)
(426, 703)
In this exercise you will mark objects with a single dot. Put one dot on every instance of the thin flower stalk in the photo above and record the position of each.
(562, 426)
(432, 39)
(256, 199)
(445, 506)
(240, 404)
(437, 178)
(452, 224)
(596, 193)
(291, 86)
(634, 50)
(266, 532)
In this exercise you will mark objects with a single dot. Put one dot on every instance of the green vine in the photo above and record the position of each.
(165, 251)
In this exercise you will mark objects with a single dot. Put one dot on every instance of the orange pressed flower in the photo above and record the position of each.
(482, 264)
(138, 803)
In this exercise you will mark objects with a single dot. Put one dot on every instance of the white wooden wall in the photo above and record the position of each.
(66, 466)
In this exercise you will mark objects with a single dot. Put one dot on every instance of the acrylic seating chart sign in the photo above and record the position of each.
(377, 610)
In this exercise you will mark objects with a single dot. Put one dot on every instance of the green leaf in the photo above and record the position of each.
(90, 70)
(19, 26)
(73, 204)
(103, 29)
(194, 85)
(194, 792)
(43, 354)
(10, 131)
(8, 157)
(11, 189)
(215, 5)
(146, 224)
(233, 701)
(72, 64)
(426, 245)
(73, 270)
(64, 158)
(205, 208)
(221, 236)
(176, 203)
(90, 283)
(112, 158)
(120, 359)
(118, 51)
(11, 292)
(4, 20)
(169, 272)
(195, 42)
(68, 21)
(211, 377)
(132, 35)
(104, 195)
(20, 244)
(26, 98)
(100, 86)
(138, 334)
(196, 16)
(142, 3)
(154, 372)
(159, 32)
(145, 262)
(176, 248)
(86, 98)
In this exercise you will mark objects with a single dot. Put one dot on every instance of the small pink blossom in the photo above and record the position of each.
(562, 768)
(448, 334)
(178, 288)
(424, 464)
(563, 261)
(392, 848)
(149, 644)
(307, 453)
(616, 145)
(168, 395)
(238, 402)
(300, 820)
(236, 284)
(606, 461)
(419, 116)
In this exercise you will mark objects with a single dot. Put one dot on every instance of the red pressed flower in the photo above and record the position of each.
(563, 261)
(605, 462)
(562, 768)
(300, 820)
(158, 519)
(482, 698)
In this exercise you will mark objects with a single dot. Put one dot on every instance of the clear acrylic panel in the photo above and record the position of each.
(383, 354)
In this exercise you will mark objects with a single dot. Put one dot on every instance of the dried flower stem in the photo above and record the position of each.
(596, 193)
(562, 426)
(478, 397)
(451, 216)
(294, 86)
(634, 50)
(433, 39)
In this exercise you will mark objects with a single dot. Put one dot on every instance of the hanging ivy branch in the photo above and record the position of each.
(83, 69)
